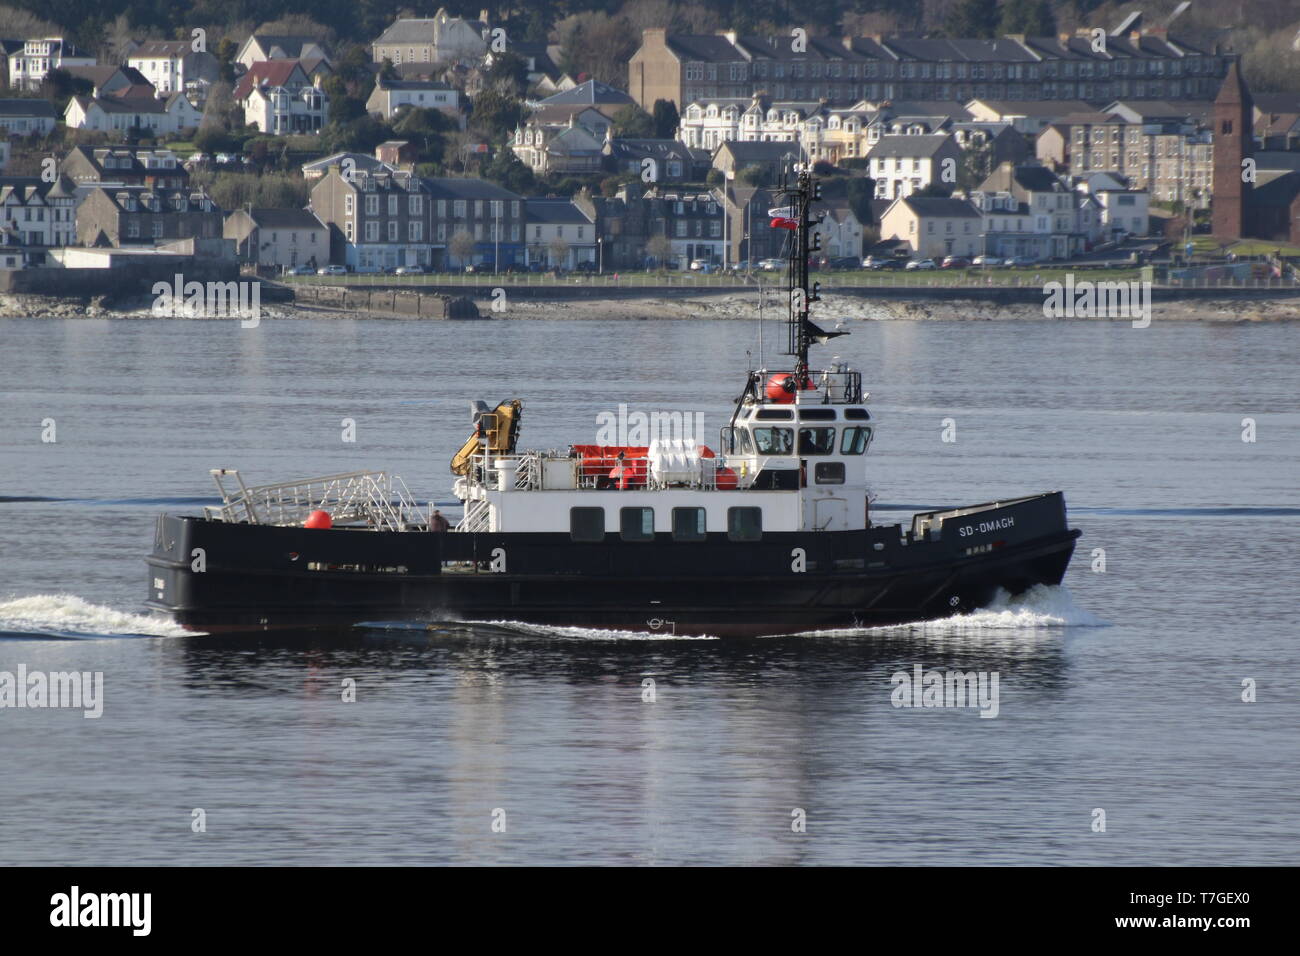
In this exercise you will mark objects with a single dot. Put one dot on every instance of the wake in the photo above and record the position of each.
(68, 616)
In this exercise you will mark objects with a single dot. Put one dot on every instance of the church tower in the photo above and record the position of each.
(1234, 139)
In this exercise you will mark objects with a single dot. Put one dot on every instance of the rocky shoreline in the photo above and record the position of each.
(740, 306)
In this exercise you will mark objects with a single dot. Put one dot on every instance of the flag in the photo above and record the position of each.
(780, 222)
(783, 212)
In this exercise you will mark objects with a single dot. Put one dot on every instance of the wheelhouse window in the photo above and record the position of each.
(817, 441)
(688, 524)
(774, 414)
(829, 472)
(587, 524)
(856, 413)
(855, 440)
(745, 524)
(774, 441)
(816, 414)
(636, 524)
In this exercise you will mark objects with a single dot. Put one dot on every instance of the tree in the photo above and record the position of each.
(597, 44)
(972, 18)
(1030, 17)
(226, 51)
(659, 248)
(557, 251)
(495, 116)
(859, 190)
(753, 176)
(632, 122)
(976, 165)
(666, 119)
(506, 170)
(508, 74)
(461, 245)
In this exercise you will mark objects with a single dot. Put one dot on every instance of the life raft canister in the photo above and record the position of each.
(781, 388)
(725, 479)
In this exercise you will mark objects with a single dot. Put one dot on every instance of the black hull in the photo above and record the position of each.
(259, 577)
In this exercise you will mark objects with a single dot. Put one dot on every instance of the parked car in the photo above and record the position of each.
(921, 264)
(741, 266)
(876, 263)
(409, 271)
(701, 265)
(331, 271)
(1022, 261)
(983, 261)
(302, 271)
(769, 265)
(845, 262)
(955, 262)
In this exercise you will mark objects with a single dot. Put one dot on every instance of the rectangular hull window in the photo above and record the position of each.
(688, 524)
(636, 524)
(830, 472)
(745, 524)
(587, 524)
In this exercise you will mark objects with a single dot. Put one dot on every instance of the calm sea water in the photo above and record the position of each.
(1120, 691)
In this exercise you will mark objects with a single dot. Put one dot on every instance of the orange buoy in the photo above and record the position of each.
(726, 479)
(319, 519)
(781, 388)
(704, 451)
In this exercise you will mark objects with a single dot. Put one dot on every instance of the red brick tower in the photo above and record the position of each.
(1234, 139)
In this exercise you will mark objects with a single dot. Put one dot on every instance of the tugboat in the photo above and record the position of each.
(768, 534)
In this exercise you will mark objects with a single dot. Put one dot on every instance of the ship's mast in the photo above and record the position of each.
(798, 198)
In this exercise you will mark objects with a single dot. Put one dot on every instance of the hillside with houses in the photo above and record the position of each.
(506, 142)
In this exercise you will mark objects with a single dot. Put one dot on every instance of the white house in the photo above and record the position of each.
(27, 70)
(441, 38)
(278, 97)
(278, 237)
(904, 164)
(934, 227)
(1124, 212)
(174, 66)
(389, 96)
(25, 117)
(36, 215)
(164, 115)
(840, 231)
(558, 233)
